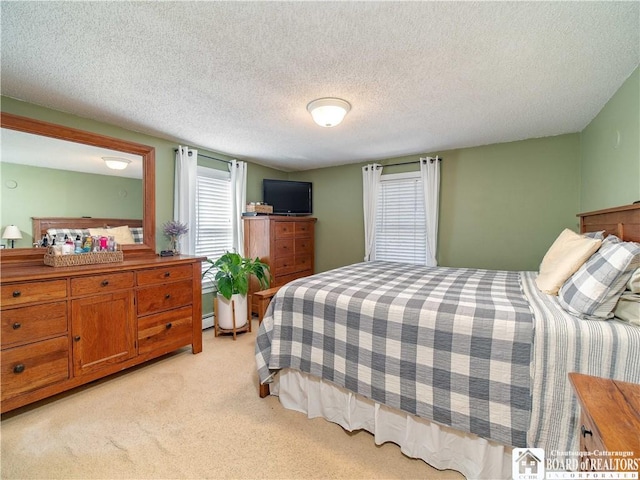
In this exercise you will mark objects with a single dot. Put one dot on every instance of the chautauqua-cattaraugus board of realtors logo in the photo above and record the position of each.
(533, 464)
(528, 464)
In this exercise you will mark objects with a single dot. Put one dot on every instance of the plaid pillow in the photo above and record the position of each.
(597, 235)
(593, 291)
(136, 232)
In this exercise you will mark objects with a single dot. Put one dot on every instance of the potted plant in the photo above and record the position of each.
(231, 273)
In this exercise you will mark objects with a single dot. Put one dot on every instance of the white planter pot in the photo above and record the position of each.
(225, 318)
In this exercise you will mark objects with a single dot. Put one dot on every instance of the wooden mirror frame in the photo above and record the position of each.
(38, 127)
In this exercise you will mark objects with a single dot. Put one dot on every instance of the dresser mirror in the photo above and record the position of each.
(77, 145)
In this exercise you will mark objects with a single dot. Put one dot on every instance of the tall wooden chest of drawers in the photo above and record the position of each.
(285, 243)
(64, 327)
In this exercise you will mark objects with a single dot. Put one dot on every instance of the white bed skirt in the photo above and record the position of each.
(439, 446)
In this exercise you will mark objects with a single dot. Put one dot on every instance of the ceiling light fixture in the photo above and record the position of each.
(328, 112)
(116, 163)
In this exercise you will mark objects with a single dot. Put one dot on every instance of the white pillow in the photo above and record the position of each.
(122, 235)
(565, 256)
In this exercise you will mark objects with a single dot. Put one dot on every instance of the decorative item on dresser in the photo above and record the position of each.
(64, 327)
(284, 243)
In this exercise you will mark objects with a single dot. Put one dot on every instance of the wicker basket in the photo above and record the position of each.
(260, 208)
(76, 259)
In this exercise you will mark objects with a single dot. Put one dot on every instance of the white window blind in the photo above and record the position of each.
(213, 213)
(400, 220)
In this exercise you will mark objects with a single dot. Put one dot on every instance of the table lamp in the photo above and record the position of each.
(12, 233)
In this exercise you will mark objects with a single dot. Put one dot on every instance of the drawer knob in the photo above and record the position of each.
(585, 432)
(167, 274)
(167, 296)
(77, 338)
(16, 325)
(18, 368)
(105, 283)
(169, 325)
(16, 293)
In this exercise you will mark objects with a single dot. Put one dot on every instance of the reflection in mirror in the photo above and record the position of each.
(48, 177)
(54, 171)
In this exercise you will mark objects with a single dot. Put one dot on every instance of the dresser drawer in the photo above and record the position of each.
(285, 265)
(590, 440)
(284, 247)
(284, 229)
(163, 275)
(34, 366)
(280, 280)
(164, 297)
(303, 262)
(29, 324)
(31, 292)
(304, 245)
(304, 230)
(101, 283)
(165, 331)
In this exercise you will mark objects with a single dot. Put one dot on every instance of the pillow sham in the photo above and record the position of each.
(628, 308)
(598, 235)
(634, 282)
(593, 291)
(565, 256)
(121, 235)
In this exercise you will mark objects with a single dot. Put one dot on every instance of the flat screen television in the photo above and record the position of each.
(287, 197)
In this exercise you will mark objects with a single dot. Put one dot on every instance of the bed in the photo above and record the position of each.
(73, 226)
(457, 366)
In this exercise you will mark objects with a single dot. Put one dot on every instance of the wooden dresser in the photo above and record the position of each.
(63, 327)
(609, 421)
(285, 243)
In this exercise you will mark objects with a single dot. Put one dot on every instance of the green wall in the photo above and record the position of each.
(610, 151)
(501, 206)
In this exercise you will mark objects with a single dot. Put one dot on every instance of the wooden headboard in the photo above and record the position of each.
(42, 224)
(623, 222)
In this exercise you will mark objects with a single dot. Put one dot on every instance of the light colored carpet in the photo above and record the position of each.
(190, 416)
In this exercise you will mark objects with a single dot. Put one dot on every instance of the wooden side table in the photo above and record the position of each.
(263, 298)
(609, 419)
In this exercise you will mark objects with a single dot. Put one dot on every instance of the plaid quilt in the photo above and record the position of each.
(451, 345)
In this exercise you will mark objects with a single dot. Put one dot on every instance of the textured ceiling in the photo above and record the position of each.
(235, 77)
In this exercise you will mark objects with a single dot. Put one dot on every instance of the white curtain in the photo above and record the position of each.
(184, 198)
(430, 174)
(238, 201)
(370, 186)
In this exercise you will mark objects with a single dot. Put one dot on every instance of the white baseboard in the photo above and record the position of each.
(207, 320)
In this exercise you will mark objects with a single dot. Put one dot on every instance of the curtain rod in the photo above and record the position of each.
(175, 150)
(411, 162)
(414, 161)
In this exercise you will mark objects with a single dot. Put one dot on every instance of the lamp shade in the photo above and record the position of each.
(116, 163)
(12, 233)
(328, 112)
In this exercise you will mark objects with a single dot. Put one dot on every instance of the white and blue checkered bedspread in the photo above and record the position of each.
(452, 345)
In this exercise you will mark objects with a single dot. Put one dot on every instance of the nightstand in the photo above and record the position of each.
(609, 419)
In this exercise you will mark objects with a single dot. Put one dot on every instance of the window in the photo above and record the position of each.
(213, 213)
(400, 219)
